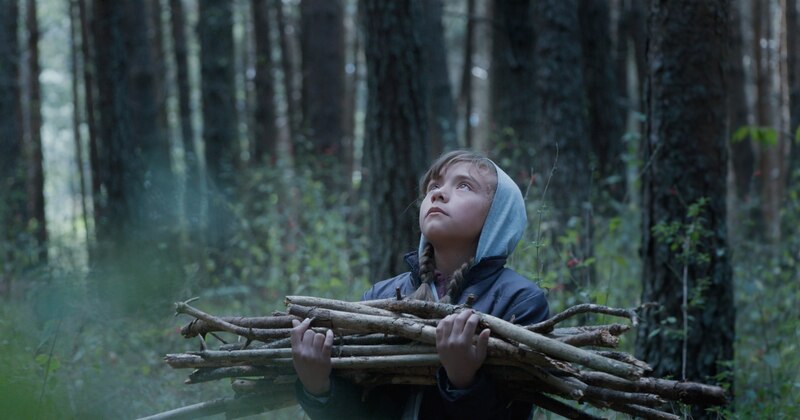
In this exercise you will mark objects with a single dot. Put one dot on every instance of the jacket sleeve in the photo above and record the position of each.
(479, 401)
(529, 308)
(345, 401)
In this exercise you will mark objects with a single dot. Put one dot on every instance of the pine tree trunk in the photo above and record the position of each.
(322, 49)
(793, 56)
(606, 117)
(441, 108)
(742, 158)
(12, 169)
(293, 116)
(563, 136)
(77, 115)
(465, 87)
(215, 29)
(685, 148)
(265, 133)
(33, 149)
(395, 146)
(513, 82)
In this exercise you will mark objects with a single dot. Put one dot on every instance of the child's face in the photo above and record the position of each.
(456, 204)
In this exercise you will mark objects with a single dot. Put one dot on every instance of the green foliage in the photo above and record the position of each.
(766, 136)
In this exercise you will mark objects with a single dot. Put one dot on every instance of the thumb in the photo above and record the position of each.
(483, 344)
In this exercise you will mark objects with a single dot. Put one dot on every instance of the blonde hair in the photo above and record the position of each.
(427, 262)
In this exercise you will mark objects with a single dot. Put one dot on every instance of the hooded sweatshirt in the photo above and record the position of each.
(499, 291)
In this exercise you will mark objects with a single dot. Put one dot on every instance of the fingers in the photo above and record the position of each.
(483, 344)
(328, 344)
(298, 331)
(460, 320)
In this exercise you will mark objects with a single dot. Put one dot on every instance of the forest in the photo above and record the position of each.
(154, 151)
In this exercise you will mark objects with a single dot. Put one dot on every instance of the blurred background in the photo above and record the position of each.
(239, 151)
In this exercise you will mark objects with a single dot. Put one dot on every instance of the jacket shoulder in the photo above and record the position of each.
(387, 288)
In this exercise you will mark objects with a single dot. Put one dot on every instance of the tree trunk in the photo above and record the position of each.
(687, 162)
(561, 112)
(441, 108)
(395, 146)
(155, 38)
(87, 50)
(12, 168)
(215, 29)
(33, 149)
(293, 116)
(465, 87)
(134, 214)
(322, 48)
(606, 116)
(793, 57)
(513, 82)
(265, 133)
(742, 158)
(77, 116)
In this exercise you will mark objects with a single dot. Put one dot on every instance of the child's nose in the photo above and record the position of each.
(438, 195)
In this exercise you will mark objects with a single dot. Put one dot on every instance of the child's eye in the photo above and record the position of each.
(464, 185)
(432, 187)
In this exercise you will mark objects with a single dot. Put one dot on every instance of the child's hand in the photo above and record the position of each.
(311, 354)
(461, 357)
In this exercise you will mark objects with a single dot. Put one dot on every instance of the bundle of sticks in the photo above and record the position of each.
(392, 341)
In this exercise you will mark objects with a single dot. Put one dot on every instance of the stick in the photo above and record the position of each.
(201, 327)
(548, 325)
(407, 328)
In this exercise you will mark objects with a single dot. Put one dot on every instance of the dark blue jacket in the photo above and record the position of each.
(499, 291)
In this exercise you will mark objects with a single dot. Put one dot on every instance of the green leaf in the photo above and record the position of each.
(740, 134)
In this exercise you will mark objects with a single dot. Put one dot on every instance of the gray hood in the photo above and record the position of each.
(504, 224)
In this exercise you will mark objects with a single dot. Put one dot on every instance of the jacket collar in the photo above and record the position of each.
(486, 268)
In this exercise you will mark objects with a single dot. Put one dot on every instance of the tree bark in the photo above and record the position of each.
(743, 161)
(215, 29)
(194, 191)
(513, 83)
(465, 87)
(322, 48)
(441, 108)
(793, 56)
(77, 115)
(33, 150)
(12, 169)
(561, 112)
(687, 160)
(395, 144)
(605, 112)
(265, 133)
(293, 116)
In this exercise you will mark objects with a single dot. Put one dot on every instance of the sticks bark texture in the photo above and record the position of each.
(392, 341)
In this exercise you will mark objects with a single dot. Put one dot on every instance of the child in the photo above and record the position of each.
(471, 217)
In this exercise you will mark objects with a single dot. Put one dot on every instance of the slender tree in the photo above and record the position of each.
(77, 114)
(686, 268)
(12, 169)
(322, 49)
(793, 57)
(742, 158)
(215, 29)
(465, 86)
(513, 83)
(293, 111)
(33, 143)
(396, 131)
(605, 116)
(134, 208)
(441, 107)
(265, 131)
